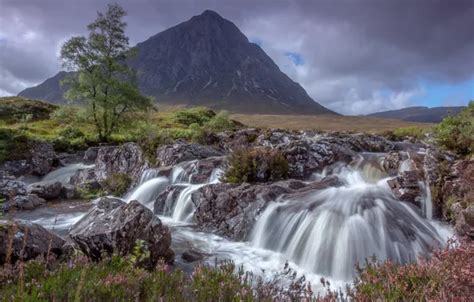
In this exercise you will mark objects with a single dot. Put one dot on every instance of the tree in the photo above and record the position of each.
(101, 78)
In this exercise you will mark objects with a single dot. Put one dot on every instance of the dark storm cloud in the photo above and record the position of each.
(358, 56)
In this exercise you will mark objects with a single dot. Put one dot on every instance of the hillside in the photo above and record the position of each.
(419, 113)
(207, 61)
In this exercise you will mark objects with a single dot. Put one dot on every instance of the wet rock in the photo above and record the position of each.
(68, 192)
(42, 157)
(304, 157)
(85, 179)
(114, 226)
(465, 222)
(23, 202)
(193, 255)
(37, 242)
(406, 187)
(37, 158)
(233, 140)
(90, 155)
(10, 187)
(17, 167)
(391, 162)
(165, 201)
(48, 190)
(125, 159)
(231, 210)
(201, 171)
(181, 151)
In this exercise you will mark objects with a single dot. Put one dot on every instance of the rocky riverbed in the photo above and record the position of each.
(347, 197)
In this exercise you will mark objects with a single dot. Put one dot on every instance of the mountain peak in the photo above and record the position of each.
(208, 61)
(210, 14)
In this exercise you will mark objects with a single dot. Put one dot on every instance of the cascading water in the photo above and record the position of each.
(329, 231)
(152, 185)
(65, 173)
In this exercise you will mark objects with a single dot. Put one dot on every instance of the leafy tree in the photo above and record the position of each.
(101, 79)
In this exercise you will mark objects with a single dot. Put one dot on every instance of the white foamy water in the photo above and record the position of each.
(65, 173)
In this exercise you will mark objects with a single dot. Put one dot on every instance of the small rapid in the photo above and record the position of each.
(330, 231)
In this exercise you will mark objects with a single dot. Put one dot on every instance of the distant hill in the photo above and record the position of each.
(16, 108)
(419, 114)
(207, 61)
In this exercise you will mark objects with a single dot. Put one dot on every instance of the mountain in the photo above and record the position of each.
(419, 113)
(50, 90)
(207, 61)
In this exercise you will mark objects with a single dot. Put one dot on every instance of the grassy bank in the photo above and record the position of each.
(447, 276)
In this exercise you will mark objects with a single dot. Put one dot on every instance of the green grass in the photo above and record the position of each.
(15, 108)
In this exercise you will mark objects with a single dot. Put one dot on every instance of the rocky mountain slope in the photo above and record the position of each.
(420, 113)
(207, 61)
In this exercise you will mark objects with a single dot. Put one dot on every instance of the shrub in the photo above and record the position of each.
(196, 115)
(456, 133)
(256, 165)
(117, 183)
(220, 122)
(409, 132)
(14, 145)
(447, 276)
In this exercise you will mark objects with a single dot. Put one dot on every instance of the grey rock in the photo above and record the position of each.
(38, 241)
(193, 255)
(91, 155)
(465, 222)
(125, 159)
(10, 187)
(230, 210)
(48, 190)
(42, 157)
(406, 187)
(181, 151)
(114, 226)
(24, 202)
(85, 179)
(165, 201)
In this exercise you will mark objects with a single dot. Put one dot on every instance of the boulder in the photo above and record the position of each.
(68, 192)
(37, 158)
(200, 171)
(10, 187)
(231, 210)
(42, 157)
(114, 226)
(406, 187)
(37, 242)
(465, 222)
(48, 190)
(305, 157)
(125, 159)
(91, 155)
(23, 202)
(391, 162)
(181, 151)
(85, 179)
(192, 255)
(232, 140)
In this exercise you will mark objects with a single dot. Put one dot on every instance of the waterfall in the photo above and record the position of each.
(148, 191)
(329, 231)
(151, 186)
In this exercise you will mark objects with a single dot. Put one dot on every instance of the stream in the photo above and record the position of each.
(320, 233)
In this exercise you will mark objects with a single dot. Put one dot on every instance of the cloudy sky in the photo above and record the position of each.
(354, 57)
